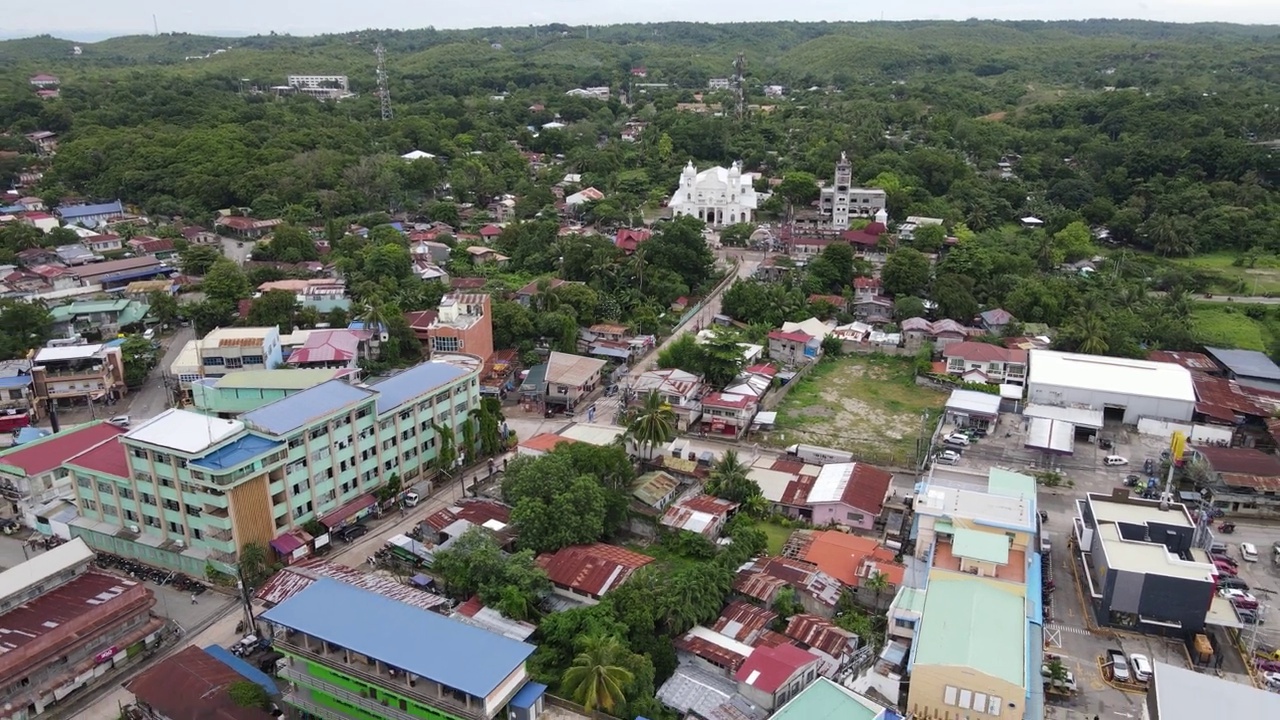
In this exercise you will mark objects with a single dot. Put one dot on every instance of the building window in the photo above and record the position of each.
(88, 504)
(234, 363)
(151, 521)
(126, 493)
(174, 527)
(105, 488)
(148, 499)
(131, 516)
(213, 362)
(110, 510)
(446, 344)
(252, 359)
(83, 482)
(196, 534)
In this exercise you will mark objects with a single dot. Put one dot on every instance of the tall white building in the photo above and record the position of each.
(841, 200)
(717, 196)
(321, 86)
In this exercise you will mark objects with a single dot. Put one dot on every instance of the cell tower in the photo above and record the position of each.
(384, 92)
(739, 71)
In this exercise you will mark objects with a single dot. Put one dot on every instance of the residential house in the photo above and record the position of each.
(853, 560)
(159, 248)
(77, 375)
(996, 320)
(58, 277)
(586, 573)
(429, 250)
(246, 227)
(324, 295)
(1243, 482)
(785, 483)
(490, 232)
(803, 249)
(114, 274)
(702, 514)
(333, 349)
(834, 646)
(42, 221)
(794, 348)
(199, 236)
(36, 256)
(103, 243)
(463, 323)
(762, 579)
(773, 675)
(628, 239)
(503, 210)
(570, 378)
(917, 331)
(1249, 368)
(851, 495)
(655, 490)
(481, 255)
(227, 350)
(867, 288)
(18, 407)
(103, 318)
(77, 254)
(541, 444)
(46, 141)
(905, 613)
(837, 302)
(610, 331)
(43, 80)
(582, 197)
(90, 216)
(986, 363)
(728, 414)
(526, 294)
(876, 311)
(871, 243)
(25, 282)
(194, 683)
(679, 389)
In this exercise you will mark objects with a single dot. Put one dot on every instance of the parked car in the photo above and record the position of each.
(411, 499)
(121, 420)
(1119, 666)
(1141, 667)
(1248, 552)
(948, 457)
(1239, 598)
(1248, 617)
(1224, 558)
(1226, 582)
(351, 532)
(1224, 568)
(149, 333)
(1218, 548)
(957, 438)
(1111, 460)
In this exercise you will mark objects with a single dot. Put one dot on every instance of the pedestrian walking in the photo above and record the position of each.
(193, 599)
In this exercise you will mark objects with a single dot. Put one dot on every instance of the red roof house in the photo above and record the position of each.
(849, 494)
(488, 232)
(767, 676)
(586, 572)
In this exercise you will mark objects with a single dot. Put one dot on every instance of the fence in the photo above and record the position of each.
(775, 396)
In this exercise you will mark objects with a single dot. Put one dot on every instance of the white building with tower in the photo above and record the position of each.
(841, 201)
(717, 196)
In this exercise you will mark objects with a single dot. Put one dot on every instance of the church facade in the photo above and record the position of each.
(718, 196)
(841, 201)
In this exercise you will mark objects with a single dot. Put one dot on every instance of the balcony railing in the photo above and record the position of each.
(375, 707)
(338, 661)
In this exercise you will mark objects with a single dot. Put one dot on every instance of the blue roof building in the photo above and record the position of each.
(383, 658)
(90, 215)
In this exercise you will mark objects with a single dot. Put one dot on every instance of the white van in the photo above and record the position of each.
(1115, 460)
(411, 499)
(1248, 552)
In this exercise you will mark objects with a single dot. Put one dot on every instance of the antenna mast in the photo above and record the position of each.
(740, 69)
(384, 93)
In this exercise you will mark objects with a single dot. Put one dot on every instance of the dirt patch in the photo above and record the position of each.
(995, 116)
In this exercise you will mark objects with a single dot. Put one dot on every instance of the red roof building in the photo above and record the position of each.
(47, 454)
(477, 511)
(628, 239)
(192, 685)
(491, 231)
(586, 572)
(331, 348)
(744, 622)
(769, 674)
(541, 444)
(849, 494)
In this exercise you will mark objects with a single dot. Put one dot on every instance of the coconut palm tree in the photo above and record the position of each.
(1092, 334)
(597, 678)
(651, 424)
(877, 583)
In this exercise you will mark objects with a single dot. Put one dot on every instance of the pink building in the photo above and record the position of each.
(849, 494)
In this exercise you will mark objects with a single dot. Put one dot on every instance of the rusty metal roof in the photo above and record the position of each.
(1259, 483)
(709, 651)
(743, 621)
(821, 634)
(592, 569)
(192, 685)
(299, 576)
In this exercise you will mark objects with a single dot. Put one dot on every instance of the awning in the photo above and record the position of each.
(286, 544)
(348, 511)
(1222, 614)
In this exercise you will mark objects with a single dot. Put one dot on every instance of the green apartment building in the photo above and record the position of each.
(352, 654)
(184, 489)
(233, 395)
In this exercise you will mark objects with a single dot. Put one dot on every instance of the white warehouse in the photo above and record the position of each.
(1121, 388)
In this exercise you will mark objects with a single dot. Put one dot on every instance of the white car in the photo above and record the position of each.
(959, 439)
(411, 499)
(1141, 667)
(1239, 597)
(1115, 460)
(1248, 552)
(948, 457)
(121, 420)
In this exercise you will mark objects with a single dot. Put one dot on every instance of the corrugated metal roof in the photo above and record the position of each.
(299, 576)
(192, 684)
(413, 383)
(301, 409)
(592, 569)
(821, 634)
(743, 621)
(476, 663)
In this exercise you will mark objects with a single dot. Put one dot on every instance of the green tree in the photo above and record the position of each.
(163, 306)
(799, 188)
(254, 564)
(139, 357)
(906, 272)
(1074, 242)
(225, 283)
(247, 694)
(908, 307)
(553, 504)
(598, 676)
(729, 479)
(651, 424)
(274, 307)
(27, 325)
(196, 260)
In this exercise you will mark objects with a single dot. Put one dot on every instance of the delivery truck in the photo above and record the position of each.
(815, 455)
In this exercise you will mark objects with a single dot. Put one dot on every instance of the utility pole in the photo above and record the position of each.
(739, 69)
(384, 92)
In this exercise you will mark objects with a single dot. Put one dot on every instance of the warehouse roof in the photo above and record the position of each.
(476, 663)
(1245, 363)
(1121, 376)
(1179, 694)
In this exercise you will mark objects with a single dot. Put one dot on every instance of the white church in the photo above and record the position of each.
(717, 196)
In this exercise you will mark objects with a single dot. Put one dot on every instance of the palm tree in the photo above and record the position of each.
(877, 583)
(372, 316)
(597, 678)
(651, 424)
(1091, 334)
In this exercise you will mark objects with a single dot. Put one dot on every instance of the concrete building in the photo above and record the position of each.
(105, 318)
(970, 651)
(677, 388)
(1176, 693)
(184, 490)
(464, 323)
(340, 349)
(32, 476)
(1250, 368)
(828, 699)
(570, 378)
(63, 623)
(1244, 482)
(320, 86)
(233, 395)
(1142, 570)
(225, 351)
(77, 375)
(771, 676)
(980, 362)
(1124, 390)
(90, 215)
(356, 665)
(717, 195)
(841, 201)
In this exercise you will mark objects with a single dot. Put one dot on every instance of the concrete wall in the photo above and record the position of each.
(926, 699)
(1135, 407)
(838, 513)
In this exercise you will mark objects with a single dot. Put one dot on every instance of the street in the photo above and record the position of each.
(238, 250)
(153, 398)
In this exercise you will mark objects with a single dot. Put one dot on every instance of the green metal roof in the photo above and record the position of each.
(1010, 484)
(284, 379)
(85, 307)
(825, 700)
(975, 623)
(943, 526)
(909, 600)
(983, 546)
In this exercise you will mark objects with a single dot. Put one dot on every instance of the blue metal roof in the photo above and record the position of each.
(237, 453)
(79, 211)
(435, 647)
(359, 325)
(529, 695)
(14, 381)
(295, 411)
(6, 209)
(415, 382)
(133, 274)
(1035, 604)
(246, 670)
(28, 434)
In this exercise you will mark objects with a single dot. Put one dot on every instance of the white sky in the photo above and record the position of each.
(94, 19)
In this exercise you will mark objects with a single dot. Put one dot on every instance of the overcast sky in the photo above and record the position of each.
(94, 19)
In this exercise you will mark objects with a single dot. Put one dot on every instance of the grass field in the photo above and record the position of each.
(1261, 279)
(867, 404)
(1221, 325)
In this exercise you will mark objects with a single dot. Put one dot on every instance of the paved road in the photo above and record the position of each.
(237, 250)
(153, 398)
(1233, 299)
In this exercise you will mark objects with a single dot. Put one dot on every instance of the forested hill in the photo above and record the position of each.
(688, 53)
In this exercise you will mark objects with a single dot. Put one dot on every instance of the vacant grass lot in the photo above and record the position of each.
(1261, 279)
(1220, 325)
(867, 404)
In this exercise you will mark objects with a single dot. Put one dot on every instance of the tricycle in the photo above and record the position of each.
(1227, 528)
